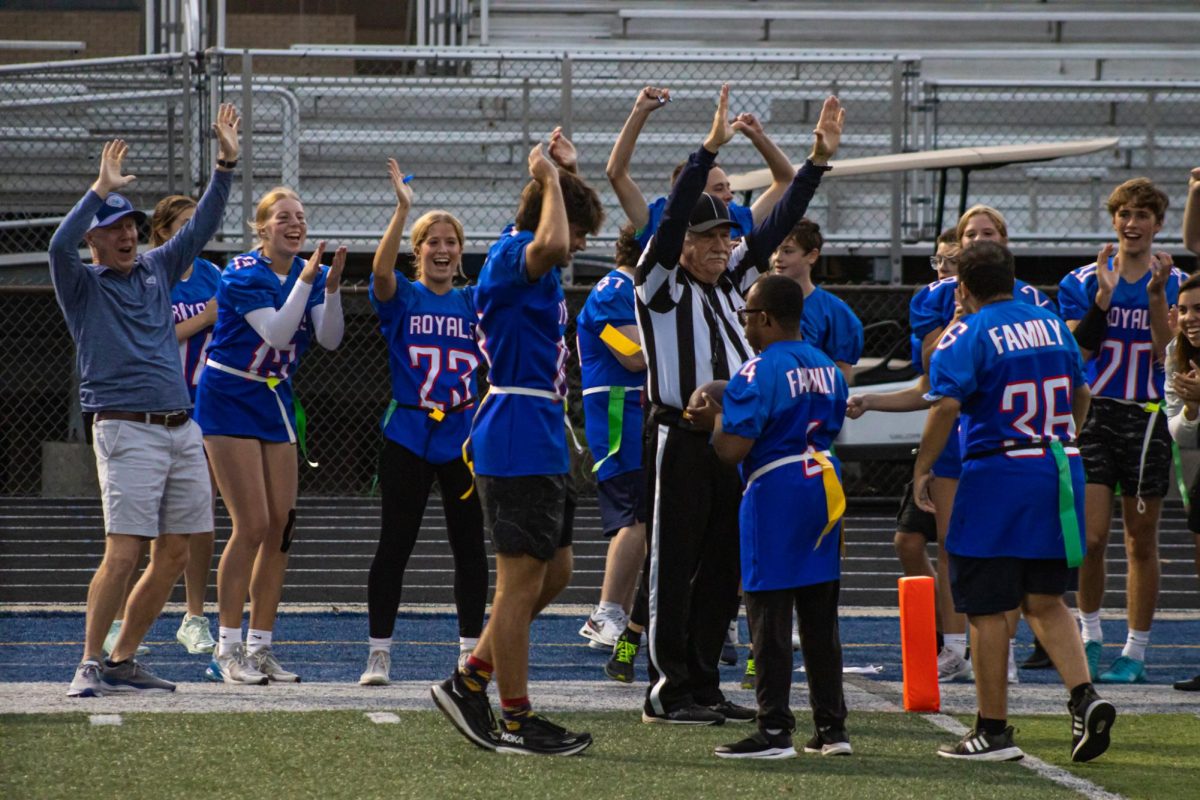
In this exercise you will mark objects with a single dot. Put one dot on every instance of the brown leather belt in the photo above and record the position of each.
(171, 420)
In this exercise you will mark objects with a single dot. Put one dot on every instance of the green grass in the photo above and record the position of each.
(343, 754)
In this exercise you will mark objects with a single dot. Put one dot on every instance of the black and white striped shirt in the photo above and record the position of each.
(690, 331)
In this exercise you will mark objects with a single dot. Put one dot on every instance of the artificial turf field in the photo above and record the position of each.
(317, 740)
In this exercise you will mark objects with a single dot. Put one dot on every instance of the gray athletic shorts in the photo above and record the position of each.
(153, 479)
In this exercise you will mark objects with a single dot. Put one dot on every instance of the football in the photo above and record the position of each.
(714, 389)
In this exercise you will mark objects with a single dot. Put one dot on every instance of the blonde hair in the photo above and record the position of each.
(262, 211)
(421, 228)
(995, 216)
(165, 213)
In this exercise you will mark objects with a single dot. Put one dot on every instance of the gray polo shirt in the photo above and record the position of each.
(122, 324)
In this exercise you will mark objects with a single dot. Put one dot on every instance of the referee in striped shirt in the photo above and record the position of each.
(690, 287)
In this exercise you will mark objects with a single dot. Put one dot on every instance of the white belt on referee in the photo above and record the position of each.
(545, 394)
(271, 383)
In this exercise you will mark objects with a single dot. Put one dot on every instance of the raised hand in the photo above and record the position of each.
(312, 267)
(722, 130)
(562, 151)
(1106, 276)
(540, 168)
(112, 158)
(651, 98)
(748, 125)
(333, 280)
(226, 130)
(402, 190)
(828, 133)
(1161, 264)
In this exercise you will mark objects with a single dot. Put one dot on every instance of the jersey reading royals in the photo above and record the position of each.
(1014, 368)
(1123, 367)
(432, 355)
(610, 303)
(522, 323)
(743, 221)
(229, 404)
(932, 308)
(829, 325)
(791, 399)
(188, 298)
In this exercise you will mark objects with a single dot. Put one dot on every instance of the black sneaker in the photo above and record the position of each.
(537, 735)
(733, 712)
(759, 745)
(620, 665)
(688, 715)
(1189, 685)
(468, 711)
(1091, 722)
(1038, 659)
(980, 746)
(829, 741)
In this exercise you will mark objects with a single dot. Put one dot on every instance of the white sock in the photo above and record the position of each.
(467, 644)
(379, 644)
(1135, 645)
(607, 608)
(956, 643)
(256, 640)
(228, 640)
(1089, 626)
(1012, 654)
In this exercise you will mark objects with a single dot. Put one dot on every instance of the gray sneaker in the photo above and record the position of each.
(234, 667)
(265, 662)
(86, 682)
(129, 676)
(379, 664)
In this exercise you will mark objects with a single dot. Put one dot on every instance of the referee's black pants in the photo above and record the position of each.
(694, 566)
(770, 617)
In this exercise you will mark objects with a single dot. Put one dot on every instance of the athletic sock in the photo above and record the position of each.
(992, 727)
(632, 636)
(379, 644)
(607, 608)
(1135, 645)
(476, 673)
(956, 643)
(1077, 694)
(1012, 654)
(467, 644)
(256, 640)
(514, 710)
(228, 640)
(941, 641)
(1089, 626)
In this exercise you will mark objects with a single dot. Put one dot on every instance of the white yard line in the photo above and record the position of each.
(105, 719)
(383, 717)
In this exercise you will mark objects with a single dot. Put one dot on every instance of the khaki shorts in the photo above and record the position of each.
(153, 479)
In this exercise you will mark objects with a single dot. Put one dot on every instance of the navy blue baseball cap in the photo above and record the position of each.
(708, 213)
(115, 207)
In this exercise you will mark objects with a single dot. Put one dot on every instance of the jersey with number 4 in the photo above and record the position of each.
(432, 355)
(1124, 366)
(188, 298)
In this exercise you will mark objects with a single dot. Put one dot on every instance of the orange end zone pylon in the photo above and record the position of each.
(918, 644)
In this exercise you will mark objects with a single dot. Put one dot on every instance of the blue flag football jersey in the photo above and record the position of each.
(521, 329)
(611, 302)
(1124, 366)
(432, 356)
(790, 399)
(932, 308)
(743, 221)
(188, 298)
(829, 325)
(235, 406)
(1014, 368)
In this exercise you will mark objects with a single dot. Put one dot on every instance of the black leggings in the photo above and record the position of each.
(404, 482)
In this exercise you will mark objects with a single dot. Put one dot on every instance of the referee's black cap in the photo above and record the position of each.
(708, 213)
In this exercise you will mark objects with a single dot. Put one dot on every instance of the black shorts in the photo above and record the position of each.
(527, 514)
(1111, 446)
(1193, 518)
(995, 585)
(622, 501)
(913, 519)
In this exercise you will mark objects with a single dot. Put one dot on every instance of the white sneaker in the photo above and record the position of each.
(379, 666)
(953, 667)
(234, 667)
(86, 682)
(195, 635)
(602, 631)
(266, 663)
(795, 635)
(110, 641)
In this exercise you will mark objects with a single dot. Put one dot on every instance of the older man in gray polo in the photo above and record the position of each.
(149, 453)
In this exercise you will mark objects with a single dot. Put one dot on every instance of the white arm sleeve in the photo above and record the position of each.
(277, 327)
(327, 318)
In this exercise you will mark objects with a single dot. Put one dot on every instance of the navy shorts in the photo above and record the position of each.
(527, 514)
(913, 519)
(622, 501)
(983, 586)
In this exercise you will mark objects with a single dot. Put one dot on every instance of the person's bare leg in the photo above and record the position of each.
(266, 582)
(558, 575)
(195, 575)
(942, 493)
(626, 552)
(1055, 628)
(914, 558)
(989, 659)
(1092, 573)
(143, 555)
(1141, 549)
(238, 465)
(106, 592)
(520, 581)
(168, 557)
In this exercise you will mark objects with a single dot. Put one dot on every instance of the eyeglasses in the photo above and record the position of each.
(937, 261)
(743, 314)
